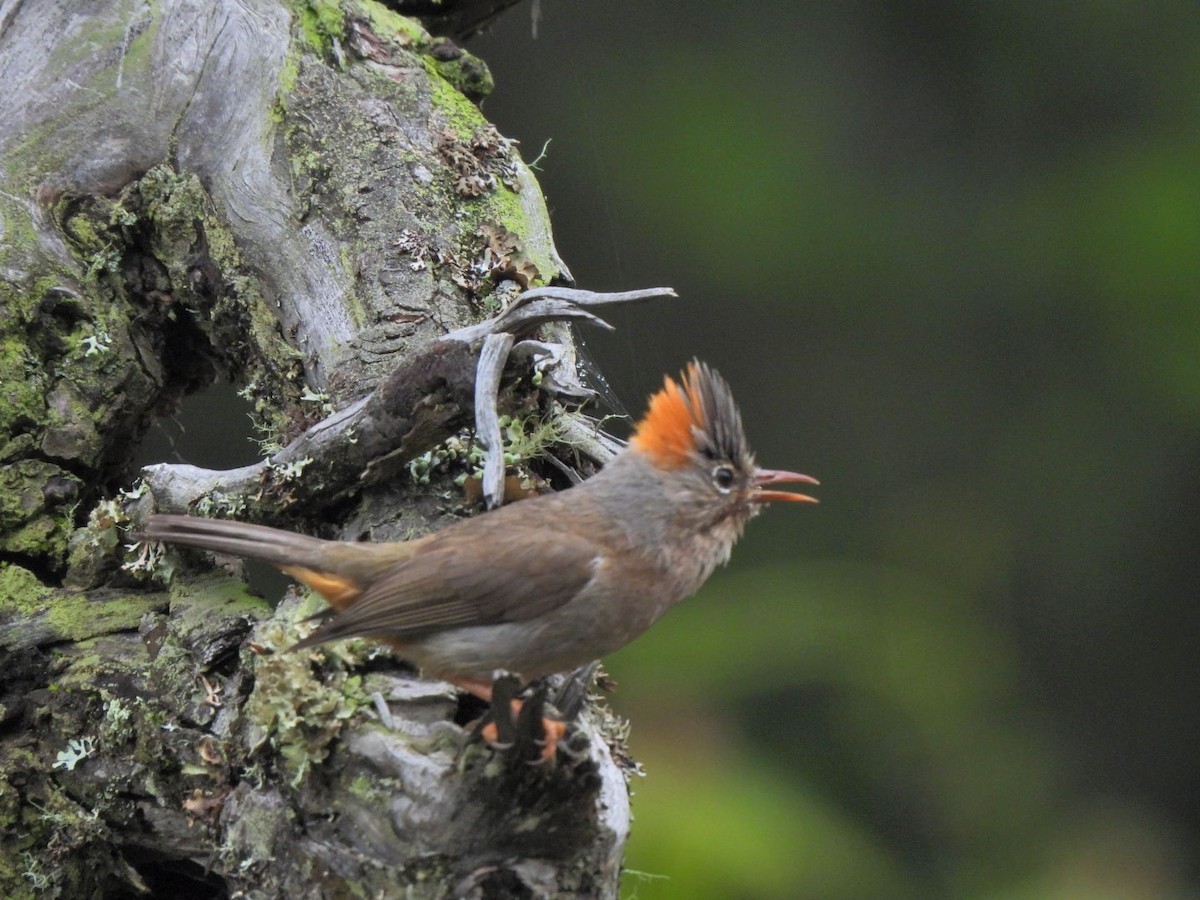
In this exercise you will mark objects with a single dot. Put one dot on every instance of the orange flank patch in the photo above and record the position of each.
(665, 431)
(338, 592)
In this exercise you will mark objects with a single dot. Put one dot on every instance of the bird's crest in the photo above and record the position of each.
(695, 415)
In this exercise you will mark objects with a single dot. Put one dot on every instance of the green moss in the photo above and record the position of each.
(22, 591)
(389, 23)
(40, 149)
(363, 788)
(17, 226)
(507, 209)
(289, 74)
(21, 873)
(466, 72)
(502, 205)
(182, 219)
(196, 602)
(88, 235)
(456, 108)
(97, 229)
(70, 426)
(19, 300)
(73, 616)
(73, 830)
(78, 617)
(138, 54)
(29, 524)
(330, 18)
(179, 208)
(21, 877)
(84, 666)
(42, 535)
(321, 23)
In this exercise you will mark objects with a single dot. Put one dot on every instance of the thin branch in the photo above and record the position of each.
(492, 358)
(552, 304)
(422, 402)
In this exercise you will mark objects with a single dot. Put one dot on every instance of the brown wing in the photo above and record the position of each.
(459, 582)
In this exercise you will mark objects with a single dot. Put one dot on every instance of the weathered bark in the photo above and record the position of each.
(302, 197)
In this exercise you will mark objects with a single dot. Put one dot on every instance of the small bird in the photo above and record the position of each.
(547, 584)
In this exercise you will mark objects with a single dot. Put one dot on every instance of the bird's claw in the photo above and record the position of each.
(520, 725)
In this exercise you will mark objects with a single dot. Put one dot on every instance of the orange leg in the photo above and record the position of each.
(553, 730)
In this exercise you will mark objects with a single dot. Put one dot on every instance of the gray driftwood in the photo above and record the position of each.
(303, 197)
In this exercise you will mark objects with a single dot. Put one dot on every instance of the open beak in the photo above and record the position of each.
(764, 477)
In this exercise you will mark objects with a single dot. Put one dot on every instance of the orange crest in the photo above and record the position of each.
(665, 431)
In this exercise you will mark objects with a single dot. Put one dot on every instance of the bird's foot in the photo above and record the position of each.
(519, 725)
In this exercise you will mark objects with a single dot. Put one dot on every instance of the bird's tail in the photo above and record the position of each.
(280, 548)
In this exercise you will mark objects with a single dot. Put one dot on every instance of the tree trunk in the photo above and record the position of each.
(304, 198)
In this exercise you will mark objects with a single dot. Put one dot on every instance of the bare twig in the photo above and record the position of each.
(487, 421)
(552, 304)
(423, 401)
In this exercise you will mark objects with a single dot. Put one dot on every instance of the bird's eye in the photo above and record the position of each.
(723, 477)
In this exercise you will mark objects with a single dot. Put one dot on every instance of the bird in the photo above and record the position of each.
(548, 584)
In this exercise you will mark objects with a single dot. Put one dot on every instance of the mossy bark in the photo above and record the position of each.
(296, 196)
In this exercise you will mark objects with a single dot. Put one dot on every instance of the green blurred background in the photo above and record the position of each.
(948, 254)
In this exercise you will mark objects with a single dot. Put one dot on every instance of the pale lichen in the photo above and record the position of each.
(295, 709)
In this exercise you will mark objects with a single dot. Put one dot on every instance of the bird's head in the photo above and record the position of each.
(692, 434)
